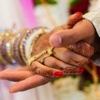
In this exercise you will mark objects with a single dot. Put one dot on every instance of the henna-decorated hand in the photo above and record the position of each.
(27, 79)
(64, 61)
(43, 42)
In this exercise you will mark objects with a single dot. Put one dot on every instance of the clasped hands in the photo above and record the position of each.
(68, 58)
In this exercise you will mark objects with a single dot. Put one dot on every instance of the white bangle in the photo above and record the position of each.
(28, 42)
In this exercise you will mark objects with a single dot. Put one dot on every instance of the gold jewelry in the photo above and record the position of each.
(4, 48)
(28, 42)
(3, 35)
(48, 51)
(9, 42)
(1, 59)
(43, 59)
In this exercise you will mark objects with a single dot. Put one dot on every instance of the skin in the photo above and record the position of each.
(27, 79)
(64, 57)
(83, 30)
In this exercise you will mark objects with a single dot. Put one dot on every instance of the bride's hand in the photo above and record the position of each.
(25, 78)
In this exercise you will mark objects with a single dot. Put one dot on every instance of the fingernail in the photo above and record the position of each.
(78, 13)
(80, 70)
(58, 74)
(55, 40)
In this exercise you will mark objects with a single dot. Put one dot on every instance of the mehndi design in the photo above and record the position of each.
(81, 48)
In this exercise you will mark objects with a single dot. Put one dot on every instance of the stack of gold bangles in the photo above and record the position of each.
(16, 48)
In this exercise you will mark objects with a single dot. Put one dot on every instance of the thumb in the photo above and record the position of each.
(83, 30)
(72, 20)
(64, 38)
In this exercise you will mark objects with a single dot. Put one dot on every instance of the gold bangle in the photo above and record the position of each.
(9, 43)
(2, 36)
(4, 48)
(1, 59)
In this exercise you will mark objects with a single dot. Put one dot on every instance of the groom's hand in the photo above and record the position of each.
(82, 30)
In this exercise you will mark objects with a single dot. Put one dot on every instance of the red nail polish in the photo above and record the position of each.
(58, 74)
(80, 70)
(79, 13)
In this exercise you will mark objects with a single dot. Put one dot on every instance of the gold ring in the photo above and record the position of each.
(42, 60)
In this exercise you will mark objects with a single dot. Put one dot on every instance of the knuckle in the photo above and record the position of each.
(53, 60)
(50, 61)
(67, 55)
(34, 66)
(34, 62)
(60, 65)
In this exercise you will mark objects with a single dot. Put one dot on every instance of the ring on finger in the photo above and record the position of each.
(49, 51)
(43, 59)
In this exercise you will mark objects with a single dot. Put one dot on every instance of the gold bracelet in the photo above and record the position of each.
(48, 51)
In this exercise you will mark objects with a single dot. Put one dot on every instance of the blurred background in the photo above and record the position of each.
(17, 14)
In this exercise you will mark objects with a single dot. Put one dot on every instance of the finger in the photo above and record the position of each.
(58, 64)
(70, 57)
(21, 68)
(29, 83)
(52, 62)
(82, 48)
(33, 82)
(72, 36)
(65, 68)
(72, 20)
(65, 38)
(45, 71)
(15, 75)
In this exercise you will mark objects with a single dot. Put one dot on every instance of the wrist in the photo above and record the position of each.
(94, 39)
